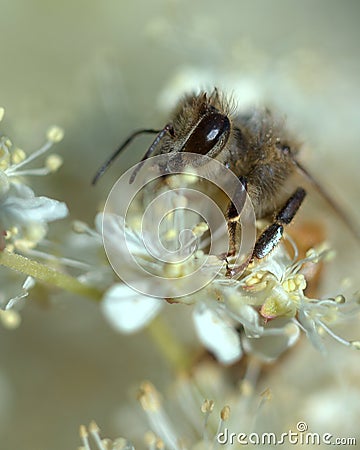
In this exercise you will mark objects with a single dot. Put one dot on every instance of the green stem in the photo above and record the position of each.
(168, 345)
(160, 332)
(47, 275)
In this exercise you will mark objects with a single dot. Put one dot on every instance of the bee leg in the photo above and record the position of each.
(270, 238)
(232, 215)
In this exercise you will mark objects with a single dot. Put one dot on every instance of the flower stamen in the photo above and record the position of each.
(84, 436)
(54, 135)
(333, 335)
(149, 399)
(95, 433)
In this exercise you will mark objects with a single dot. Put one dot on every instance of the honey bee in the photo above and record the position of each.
(255, 146)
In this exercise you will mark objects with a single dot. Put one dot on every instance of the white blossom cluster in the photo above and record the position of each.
(24, 216)
(262, 311)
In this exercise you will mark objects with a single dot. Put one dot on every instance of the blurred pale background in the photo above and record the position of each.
(102, 69)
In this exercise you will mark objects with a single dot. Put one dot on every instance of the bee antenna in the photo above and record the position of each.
(335, 206)
(168, 128)
(117, 152)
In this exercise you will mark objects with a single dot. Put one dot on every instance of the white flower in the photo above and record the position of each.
(261, 312)
(276, 287)
(129, 310)
(23, 215)
(161, 251)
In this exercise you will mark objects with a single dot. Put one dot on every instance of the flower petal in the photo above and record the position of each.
(217, 335)
(278, 336)
(312, 333)
(21, 206)
(244, 313)
(127, 310)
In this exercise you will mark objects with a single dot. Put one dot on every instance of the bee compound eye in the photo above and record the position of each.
(211, 129)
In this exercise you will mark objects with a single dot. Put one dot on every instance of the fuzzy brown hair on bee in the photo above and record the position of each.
(255, 146)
